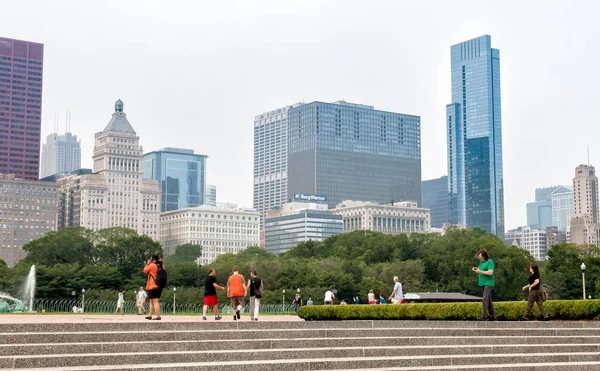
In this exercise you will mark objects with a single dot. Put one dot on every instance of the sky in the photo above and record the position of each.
(193, 74)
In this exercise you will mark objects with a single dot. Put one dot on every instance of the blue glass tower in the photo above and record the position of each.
(181, 175)
(474, 128)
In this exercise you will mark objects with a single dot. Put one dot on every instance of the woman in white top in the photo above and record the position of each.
(371, 296)
(120, 302)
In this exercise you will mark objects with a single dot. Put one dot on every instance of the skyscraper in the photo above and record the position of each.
(562, 208)
(584, 222)
(474, 127)
(21, 69)
(210, 195)
(539, 213)
(346, 151)
(181, 175)
(434, 194)
(60, 154)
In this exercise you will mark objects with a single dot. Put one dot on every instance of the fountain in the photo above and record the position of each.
(29, 289)
(12, 304)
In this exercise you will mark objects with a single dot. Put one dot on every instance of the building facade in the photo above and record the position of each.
(296, 222)
(60, 154)
(210, 195)
(181, 175)
(401, 217)
(554, 236)
(27, 211)
(474, 127)
(527, 238)
(21, 73)
(434, 196)
(351, 151)
(539, 213)
(218, 230)
(562, 208)
(584, 222)
(115, 195)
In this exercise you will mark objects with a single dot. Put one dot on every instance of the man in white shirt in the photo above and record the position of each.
(140, 299)
(329, 297)
(396, 297)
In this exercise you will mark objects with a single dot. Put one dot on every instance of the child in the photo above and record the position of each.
(371, 296)
(382, 299)
(120, 302)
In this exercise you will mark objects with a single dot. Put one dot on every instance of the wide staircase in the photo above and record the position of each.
(272, 345)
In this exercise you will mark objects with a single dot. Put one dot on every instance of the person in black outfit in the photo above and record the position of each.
(255, 286)
(535, 294)
(210, 294)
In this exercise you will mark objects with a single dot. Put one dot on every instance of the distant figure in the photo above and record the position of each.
(329, 297)
(382, 299)
(371, 297)
(309, 301)
(255, 287)
(210, 294)
(486, 281)
(236, 291)
(152, 289)
(357, 300)
(140, 299)
(120, 302)
(343, 302)
(396, 297)
(75, 309)
(297, 301)
(535, 294)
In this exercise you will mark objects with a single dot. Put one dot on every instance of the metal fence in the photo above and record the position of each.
(100, 306)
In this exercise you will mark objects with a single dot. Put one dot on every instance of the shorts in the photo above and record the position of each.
(237, 300)
(372, 302)
(328, 302)
(211, 300)
(155, 293)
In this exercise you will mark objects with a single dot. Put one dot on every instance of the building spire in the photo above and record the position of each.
(119, 106)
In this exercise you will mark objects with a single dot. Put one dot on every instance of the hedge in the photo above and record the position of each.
(507, 311)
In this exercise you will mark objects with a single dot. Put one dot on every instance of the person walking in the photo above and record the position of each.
(153, 290)
(255, 287)
(329, 297)
(210, 294)
(236, 291)
(397, 295)
(485, 280)
(120, 302)
(309, 301)
(371, 297)
(140, 299)
(535, 294)
(297, 301)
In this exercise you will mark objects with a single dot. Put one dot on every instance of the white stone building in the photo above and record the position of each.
(400, 217)
(116, 195)
(60, 154)
(527, 238)
(217, 230)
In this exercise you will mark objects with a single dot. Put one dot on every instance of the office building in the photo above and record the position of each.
(434, 196)
(584, 222)
(527, 238)
(27, 211)
(210, 195)
(562, 208)
(21, 72)
(115, 195)
(400, 217)
(539, 213)
(474, 127)
(296, 222)
(181, 175)
(218, 230)
(554, 236)
(350, 151)
(60, 154)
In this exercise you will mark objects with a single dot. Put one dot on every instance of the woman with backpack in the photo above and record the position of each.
(154, 288)
(535, 293)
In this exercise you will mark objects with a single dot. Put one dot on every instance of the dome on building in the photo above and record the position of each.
(119, 122)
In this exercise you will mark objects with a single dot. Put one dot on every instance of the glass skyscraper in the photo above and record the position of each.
(21, 68)
(434, 196)
(348, 151)
(474, 128)
(181, 175)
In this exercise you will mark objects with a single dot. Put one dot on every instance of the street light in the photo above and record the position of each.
(583, 278)
(82, 300)
(282, 301)
(174, 289)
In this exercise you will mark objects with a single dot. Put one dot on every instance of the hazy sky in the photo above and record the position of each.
(193, 74)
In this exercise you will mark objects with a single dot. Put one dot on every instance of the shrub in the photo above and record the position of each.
(510, 311)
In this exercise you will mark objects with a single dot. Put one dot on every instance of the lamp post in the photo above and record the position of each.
(282, 301)
(174, 290)
(82, 300)
(583, 278)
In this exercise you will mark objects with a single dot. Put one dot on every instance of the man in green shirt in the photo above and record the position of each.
(486, 281)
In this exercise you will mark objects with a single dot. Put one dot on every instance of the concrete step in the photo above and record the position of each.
(422, 354)
(305, 343)
(530, 361)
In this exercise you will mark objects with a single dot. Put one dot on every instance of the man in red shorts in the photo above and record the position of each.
(210, 294)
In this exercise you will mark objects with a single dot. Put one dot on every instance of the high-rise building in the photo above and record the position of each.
(218, 230)
(21, 71)
(181, 175)
(539, 213)
(351, 151)
(210, 195)
(29, 211)
(527, 238)
(474, 127)
(115, 195)
(270, 160)
(434, 196)
(562, 208)
(60, 154)
(296, 222)
(584, 222)
(554, 236)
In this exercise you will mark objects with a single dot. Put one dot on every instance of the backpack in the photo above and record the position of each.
(545, 291)
(161, 276)
(257, 293)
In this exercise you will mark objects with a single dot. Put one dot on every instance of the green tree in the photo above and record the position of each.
(185, 253)
(69, 245)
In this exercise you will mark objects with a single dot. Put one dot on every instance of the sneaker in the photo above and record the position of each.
(218, 318)
(237, 314)
(204, 318)
(234, 318)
